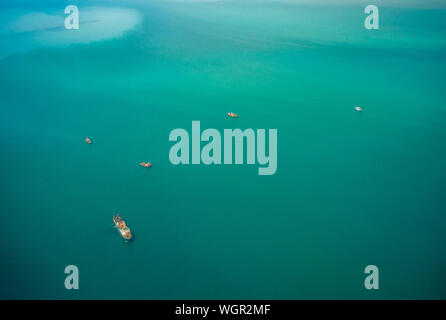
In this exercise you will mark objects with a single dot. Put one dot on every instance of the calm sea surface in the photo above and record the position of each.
(351, 188)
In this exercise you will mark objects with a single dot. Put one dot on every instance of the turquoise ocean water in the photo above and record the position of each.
(351, 189)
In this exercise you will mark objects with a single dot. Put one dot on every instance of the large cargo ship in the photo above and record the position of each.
(122, 227)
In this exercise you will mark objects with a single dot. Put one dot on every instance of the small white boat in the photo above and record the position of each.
(358, 108)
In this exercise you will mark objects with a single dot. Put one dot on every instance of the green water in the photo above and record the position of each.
(351, 189)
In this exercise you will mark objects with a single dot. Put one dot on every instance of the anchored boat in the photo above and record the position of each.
(145, 164)
(122, 227)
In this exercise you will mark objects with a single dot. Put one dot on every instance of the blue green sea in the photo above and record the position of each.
(351, 189)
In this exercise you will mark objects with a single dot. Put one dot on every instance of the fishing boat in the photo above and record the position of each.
(88, 140)
(122, 227)
(232, 115)
(145, 164)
